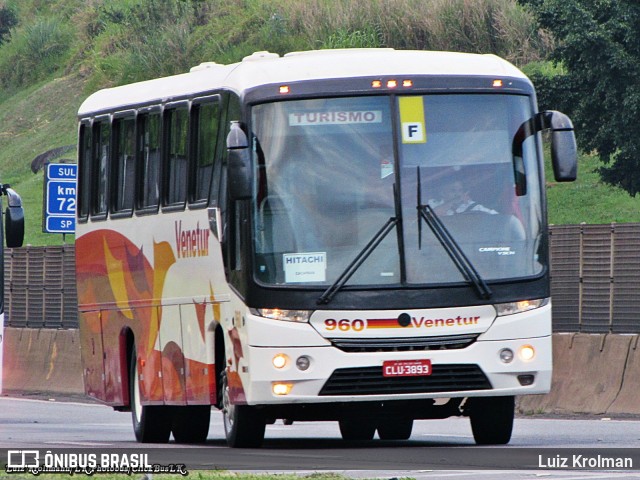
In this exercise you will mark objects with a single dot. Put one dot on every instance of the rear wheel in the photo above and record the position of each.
(397, 429)
(492, 419)
(151, 423)
(243, 425)
(191, 424)
(357, 429)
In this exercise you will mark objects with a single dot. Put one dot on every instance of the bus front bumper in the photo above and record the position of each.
(327, 374)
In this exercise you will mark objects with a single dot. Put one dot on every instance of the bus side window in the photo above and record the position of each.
(175, 171)
(205, 121)
(84, 162)
(148, 145)
(124, 166)
(100, 168)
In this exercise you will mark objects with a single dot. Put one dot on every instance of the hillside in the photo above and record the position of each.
(53, 54)
(31, 122)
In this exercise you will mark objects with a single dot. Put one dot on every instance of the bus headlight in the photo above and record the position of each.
(280, 360)
(527, 353)
(301, 316)
(512, 308)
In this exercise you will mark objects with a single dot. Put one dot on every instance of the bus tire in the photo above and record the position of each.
(492, 419)
(243, 425)
(395, 429)
(357, 429)
(151, 423)
(191, 424)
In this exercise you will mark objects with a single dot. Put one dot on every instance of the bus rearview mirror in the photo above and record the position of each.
(14, 219)
(564, 151)
(239, 163)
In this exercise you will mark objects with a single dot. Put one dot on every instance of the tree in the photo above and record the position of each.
(598, 45)
(8, 20)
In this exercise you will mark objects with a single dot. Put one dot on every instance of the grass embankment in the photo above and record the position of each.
(193, 475)
(589, 199)
(31, 122)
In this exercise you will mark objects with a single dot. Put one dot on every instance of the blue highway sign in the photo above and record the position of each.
(59, 212)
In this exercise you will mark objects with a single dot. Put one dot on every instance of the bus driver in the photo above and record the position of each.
(454, 199)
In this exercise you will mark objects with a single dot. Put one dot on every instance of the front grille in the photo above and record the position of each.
(410, 344)
(369, 381)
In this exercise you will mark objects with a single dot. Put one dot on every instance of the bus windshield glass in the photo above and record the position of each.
(330, 173)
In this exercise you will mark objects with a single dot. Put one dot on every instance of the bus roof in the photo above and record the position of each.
(263, 68)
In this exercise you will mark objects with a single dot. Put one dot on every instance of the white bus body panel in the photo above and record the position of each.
(267, 338)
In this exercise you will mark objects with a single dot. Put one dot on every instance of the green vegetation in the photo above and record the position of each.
(55, 53)
(598, 50)
(193, 475)
(589, 199)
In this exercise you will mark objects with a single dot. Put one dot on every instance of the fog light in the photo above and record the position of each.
(527, 353)
(303, 362)
(506, 355)
(526, 380)
(280, 360)
(281, 388)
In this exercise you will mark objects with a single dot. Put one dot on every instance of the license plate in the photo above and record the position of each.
(406, 368)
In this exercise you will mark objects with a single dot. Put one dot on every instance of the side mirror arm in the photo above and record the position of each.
(564, 151)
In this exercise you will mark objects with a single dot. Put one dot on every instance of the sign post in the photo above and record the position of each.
(59, 212)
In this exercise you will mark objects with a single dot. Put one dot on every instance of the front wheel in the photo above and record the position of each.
(492, 419)
(151, 423)
(243, 425)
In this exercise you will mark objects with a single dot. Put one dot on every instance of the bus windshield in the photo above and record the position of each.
(330, 173)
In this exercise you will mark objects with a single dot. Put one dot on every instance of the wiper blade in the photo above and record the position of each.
(344, 277)
(448, 242)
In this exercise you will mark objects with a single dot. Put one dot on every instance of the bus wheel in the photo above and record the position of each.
(492, 419)
(395, 429)
(151, 424)
(243, 426)
(191, 424)
(357, 429)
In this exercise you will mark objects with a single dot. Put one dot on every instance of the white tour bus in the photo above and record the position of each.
(356, 236)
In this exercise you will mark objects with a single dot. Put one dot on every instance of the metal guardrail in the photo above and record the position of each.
(595, 278)
(595, 281)
(40, 287)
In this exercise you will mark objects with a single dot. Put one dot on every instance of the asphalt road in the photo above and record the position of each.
(436, 449)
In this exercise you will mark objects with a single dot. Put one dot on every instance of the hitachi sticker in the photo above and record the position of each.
(304, 267)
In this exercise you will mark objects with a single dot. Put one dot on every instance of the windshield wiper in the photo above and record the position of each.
(458, 257)
(344, 277)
